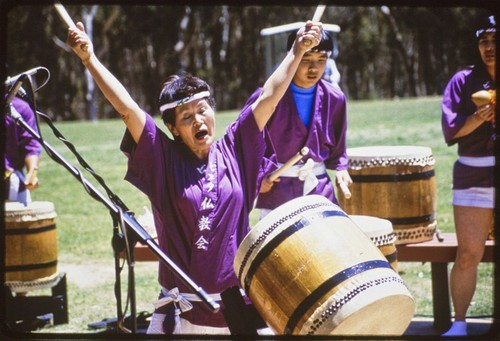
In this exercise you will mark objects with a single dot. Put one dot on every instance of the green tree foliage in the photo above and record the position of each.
(384, 52)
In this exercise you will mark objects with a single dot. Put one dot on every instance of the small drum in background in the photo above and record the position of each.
(30, 241)
(381, 233)
(309, 270)
(396, 183)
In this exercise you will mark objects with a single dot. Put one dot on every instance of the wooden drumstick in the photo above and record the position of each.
(296, 158)
(316, 17)
(33, 177)
(345, 190)
(64, 15)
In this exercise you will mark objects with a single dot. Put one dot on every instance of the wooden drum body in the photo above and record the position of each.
(30, 241)
(381, 233)
(309, 270)
(396, 183)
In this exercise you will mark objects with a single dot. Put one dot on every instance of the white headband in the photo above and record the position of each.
(184, 100)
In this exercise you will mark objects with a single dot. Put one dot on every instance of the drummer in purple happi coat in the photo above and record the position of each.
(201, 190)
(22, 153)
(312, 114)
(205, 202)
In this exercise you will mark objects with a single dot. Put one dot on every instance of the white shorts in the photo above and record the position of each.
(475, 197)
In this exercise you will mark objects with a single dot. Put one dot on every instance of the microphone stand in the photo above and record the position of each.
(120, 213)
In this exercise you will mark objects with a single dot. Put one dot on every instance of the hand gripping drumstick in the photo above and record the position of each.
(296, 158)
(316, 17)
(64, 15)
(33, 176)
(345, 190)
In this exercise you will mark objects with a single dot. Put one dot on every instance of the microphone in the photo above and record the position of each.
(29, 73)
(14, 90)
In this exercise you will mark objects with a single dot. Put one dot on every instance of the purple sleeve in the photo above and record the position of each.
(145, 159)
(453, 118)
(251, 152)
(338, 153)
(29, 145)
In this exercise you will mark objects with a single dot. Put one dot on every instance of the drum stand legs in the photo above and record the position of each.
(28, 313)
(440, 296)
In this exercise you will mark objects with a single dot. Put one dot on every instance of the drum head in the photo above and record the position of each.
(388, 152)
(378, 229)
(374, 323)
(36, 210)
(389, 156)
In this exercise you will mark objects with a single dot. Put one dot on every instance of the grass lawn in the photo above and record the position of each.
(85, 228)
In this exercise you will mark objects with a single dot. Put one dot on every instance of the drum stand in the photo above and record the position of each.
(28, 313)
(132, 231)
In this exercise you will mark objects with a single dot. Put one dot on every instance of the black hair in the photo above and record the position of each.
(177, 87)
(326, 43)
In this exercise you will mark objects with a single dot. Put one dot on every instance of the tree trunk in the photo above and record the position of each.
(407, 57)
(90, 99)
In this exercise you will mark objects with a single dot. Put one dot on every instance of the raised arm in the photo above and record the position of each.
(277, 84)
(133, 116)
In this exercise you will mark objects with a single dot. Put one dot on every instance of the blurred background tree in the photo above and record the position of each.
(385, 52)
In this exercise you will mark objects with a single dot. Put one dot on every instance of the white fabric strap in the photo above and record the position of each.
(184, 299)
(306, 172)
(485, 161)
(173, 296)
(184, 100)
(195, 298)
(215, 297)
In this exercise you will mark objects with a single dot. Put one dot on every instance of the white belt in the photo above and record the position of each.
(184, 299)
(215, 297)
(306, 172)
(485, 161)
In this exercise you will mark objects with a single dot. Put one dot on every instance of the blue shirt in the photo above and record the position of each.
(304, 101)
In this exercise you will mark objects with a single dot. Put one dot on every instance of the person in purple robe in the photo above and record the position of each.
(472, 129)
(22, 153)
(201, 190)
(311, 114)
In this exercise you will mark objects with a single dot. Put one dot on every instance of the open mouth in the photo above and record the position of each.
(200, 135)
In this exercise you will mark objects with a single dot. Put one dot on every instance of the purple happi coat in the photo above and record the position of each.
(325, 138)
(201, 210)
(456, 107)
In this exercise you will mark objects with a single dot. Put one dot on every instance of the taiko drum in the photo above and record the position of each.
(381, 233)
(309, 270)
(396, 183)
(30, 241)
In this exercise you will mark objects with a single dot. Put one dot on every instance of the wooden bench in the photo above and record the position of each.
(439, 253)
